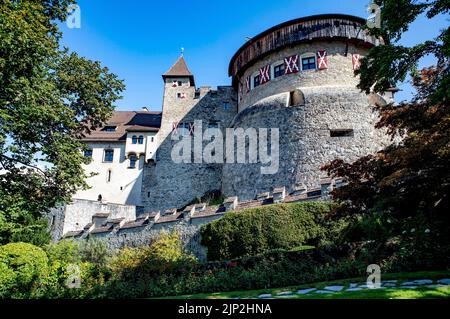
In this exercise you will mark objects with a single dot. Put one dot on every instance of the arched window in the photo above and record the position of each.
(133, 160)
(134, 139)
(141, 139)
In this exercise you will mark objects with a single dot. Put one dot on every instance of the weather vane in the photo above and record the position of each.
(182, 50)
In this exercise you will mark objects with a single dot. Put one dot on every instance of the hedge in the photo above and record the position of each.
(280, 226)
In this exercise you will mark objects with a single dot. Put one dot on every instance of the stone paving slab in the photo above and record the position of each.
(285, 293)
(324, 292)
(408, 283)
(391, 284)
(305, 291)
(423, 281)
(334, 288)
(354, 289)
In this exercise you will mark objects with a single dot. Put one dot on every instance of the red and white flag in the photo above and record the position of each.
(322, 60)
(191, 128)
(291, 64)
(175, 127)
(247, 84)
(264, 74)
(356, 61)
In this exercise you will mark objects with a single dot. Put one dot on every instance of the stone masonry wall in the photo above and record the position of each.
(339, 72)
(305, 141)
(167, 184)
(79, 213)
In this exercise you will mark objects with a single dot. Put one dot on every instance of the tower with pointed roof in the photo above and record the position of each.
(168, 184)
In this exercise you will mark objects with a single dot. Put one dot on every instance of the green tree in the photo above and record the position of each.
(49, 98)
(409, 180)
(23, 268)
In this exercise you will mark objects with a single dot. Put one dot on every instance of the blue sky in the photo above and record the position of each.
(140, 40)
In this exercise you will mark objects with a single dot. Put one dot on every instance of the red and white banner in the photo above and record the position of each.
(175, 127)
(322, 60)
(264, 74)
(356, 61)
(191, 128)
(291, 64)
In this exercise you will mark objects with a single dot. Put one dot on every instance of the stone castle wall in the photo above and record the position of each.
(305, 141)
(339, 71)
(167, 184)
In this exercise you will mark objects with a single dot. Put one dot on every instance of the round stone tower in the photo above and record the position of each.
(298, 77)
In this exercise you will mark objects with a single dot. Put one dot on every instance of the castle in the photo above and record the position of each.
(296, 77)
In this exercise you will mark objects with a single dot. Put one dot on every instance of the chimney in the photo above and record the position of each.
(279, 194)
(262, 196)
(200, 207)
(230, 203)
(299, 190)
(326, 186)
(99, 219)
(188, 212)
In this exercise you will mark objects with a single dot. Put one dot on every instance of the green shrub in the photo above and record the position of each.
(23, 269)
(94, 251)
(281, 226)
(64, 251)
(163, 255)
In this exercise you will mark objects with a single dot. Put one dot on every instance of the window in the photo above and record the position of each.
(213, 125)
(109, 156)
(133, 160)
(278, 70)
(180, 83)
(341, 133)
(141, 139)
(185, 128)
(109, 128)
(134, 139)
(309, 63)
(256, 80)
(226, 106)
(108, 179)
(181, 95)
(88, 153)
(153, 139)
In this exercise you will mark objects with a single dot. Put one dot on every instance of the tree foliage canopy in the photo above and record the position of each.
(49, 98)
(412, 176)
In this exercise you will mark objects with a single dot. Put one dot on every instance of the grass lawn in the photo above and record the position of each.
(388, 293)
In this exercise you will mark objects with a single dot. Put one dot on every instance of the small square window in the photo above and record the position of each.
(180, 83)
(309, 63)
(256, 81)
(341, 133)
(213, 125)
(88, 153)
(109, 128)
(226, 106)
(278, 70)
